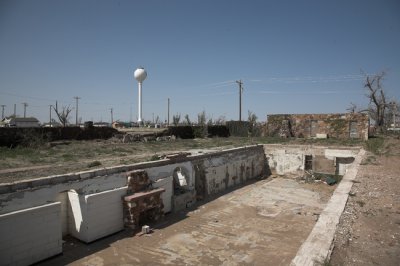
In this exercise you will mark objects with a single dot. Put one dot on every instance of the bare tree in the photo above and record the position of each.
(352, 108)
(175, 119)
(252, 118)
(187, 120)
(377, 98)
(201, 118)
(62, 114)
(220, 120)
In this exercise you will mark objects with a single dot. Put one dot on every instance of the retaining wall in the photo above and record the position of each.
(88, 204)
(284, 159)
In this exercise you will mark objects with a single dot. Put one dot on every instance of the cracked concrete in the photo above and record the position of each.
(234, 229)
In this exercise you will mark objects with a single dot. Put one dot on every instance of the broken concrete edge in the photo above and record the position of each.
(319, 244)
(26, 184)
(313, 146)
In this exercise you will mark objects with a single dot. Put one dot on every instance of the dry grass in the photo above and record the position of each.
(78, 155)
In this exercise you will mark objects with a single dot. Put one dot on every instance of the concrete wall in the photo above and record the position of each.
(30, 235)
(166, 196)
(89, 203)
(283, 159)
(232, 169)
(95, 215)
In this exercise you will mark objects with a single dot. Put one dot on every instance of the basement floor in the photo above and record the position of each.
(262, 223)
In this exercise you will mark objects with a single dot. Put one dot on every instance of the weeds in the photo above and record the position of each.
(93, 164)
(155, 157)
(67, 157)
(369, 160)
(375, 145)
(325, 262)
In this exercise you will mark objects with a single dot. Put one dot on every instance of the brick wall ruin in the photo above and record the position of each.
(143, 203)
(341, 126)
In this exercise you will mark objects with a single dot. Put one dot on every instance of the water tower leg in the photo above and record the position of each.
(140, 105)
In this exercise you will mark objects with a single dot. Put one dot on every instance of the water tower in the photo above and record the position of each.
(140, 75)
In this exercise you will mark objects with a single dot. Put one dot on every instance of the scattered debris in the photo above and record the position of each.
(146, 229)
(330, 181)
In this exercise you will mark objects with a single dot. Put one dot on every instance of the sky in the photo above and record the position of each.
(292, 56)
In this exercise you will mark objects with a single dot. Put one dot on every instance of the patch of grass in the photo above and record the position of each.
(93, 164)
(369, 160)
(67, 157)
(155, 157)
(375, 145)
(16, 152)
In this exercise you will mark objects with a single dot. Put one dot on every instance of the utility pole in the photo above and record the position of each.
(394, 114)
(130, 115)
(240, 98)
(168, 113)
(25, 105)
(76, 113)
(112, 119)
(2, 111)
(15, 110)
(50, 114)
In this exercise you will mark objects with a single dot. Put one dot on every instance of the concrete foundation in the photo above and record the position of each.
(88, 205)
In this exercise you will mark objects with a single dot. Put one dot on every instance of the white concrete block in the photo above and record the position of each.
(31, 230)
(96, 215)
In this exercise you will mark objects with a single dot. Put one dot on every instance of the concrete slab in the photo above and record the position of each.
(318, 246)
(263, 223)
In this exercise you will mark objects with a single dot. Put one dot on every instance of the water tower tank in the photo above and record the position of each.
(140, 74)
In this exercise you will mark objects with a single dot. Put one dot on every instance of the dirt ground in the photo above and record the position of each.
(262, 223)
(369, 229)
(368, 233)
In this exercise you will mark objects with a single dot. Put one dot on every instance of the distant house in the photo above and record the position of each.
(52, 124)
(101, 124)
(21, 122)
(118, 124)
(341, 126)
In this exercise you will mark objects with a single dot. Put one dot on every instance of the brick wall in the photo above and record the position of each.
(342, 126)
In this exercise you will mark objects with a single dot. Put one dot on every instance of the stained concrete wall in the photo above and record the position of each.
(94, 206)
(233, 169)
(30, 235)
(166, 196)
(284, 159)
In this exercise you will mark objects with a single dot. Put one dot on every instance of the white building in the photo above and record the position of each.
(21, 122)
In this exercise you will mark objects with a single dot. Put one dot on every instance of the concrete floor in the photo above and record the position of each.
(263, 223)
